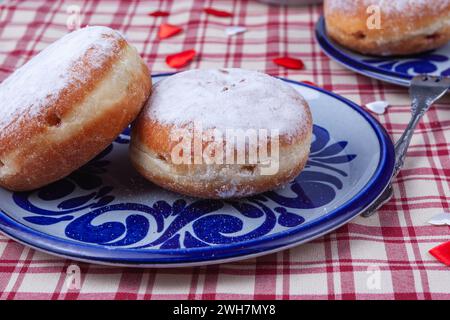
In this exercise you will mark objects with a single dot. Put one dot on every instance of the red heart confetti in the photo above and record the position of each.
(179, 60)
(290, 63)
(168, 30)
(442, 253)
(310, 83)
(218, 13)
(159, 13)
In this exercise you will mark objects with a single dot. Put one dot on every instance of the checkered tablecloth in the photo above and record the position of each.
(383, 257)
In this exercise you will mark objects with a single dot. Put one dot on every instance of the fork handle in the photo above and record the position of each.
(401, 146)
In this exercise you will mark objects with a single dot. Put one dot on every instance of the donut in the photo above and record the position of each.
(221, 133)
(67, 104)
(405, 26)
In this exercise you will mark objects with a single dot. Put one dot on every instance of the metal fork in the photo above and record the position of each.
(424, 91)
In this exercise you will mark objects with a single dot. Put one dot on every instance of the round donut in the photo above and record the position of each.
(225, 133)
(406, 26)
(67, 104)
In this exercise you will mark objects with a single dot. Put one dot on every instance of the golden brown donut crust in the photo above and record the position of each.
(420, 27)
(84, 119)
(217, 189)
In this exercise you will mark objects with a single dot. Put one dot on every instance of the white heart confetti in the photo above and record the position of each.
(234, 30)
(379, 107)
(441, 219)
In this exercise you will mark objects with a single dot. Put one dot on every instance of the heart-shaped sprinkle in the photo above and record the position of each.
(442, 253)
(440, 219)
(179, 60)
(378, 107)
(310, 83)
(218, 13)
(168, 30)
(234, 30)
(159, 13)
(290, 63)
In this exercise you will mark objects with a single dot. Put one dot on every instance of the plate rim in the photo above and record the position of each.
(333, 52)
(215, 254)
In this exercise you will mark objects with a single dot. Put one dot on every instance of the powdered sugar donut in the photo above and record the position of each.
(67, 104)
(222, 133)
(388, 27)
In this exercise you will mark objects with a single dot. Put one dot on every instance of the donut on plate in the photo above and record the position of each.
(67, 104)
(225, 133)
(394, 27)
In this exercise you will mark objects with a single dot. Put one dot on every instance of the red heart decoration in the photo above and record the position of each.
(179, 60)
(290, 63)
(218, 13)
(168, 30)
(159, 13)
(310, 83)
(442, 253)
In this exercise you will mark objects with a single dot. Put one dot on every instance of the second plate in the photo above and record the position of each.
(396, 70)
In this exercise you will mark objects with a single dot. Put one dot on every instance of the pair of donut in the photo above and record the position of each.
(71, 101)
(388, 27)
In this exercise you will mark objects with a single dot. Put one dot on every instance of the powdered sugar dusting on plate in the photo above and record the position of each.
(228, 99)
(39, 82)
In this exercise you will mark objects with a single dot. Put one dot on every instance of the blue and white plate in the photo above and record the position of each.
(106, 213)
(396, 70)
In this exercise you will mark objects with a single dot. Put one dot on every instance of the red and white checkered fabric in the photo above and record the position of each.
(383, 257)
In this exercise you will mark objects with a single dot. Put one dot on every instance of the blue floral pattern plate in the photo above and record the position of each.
(106, 213)
(396, 70)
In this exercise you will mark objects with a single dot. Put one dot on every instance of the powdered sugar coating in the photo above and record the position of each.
(403, 7)
(228, 99)
(39, 82)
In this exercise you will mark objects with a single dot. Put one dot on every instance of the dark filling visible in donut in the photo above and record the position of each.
(359, 35)
(53, 120)
(433, 36)
(1, 164)
(249, 169)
